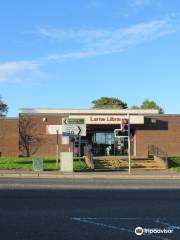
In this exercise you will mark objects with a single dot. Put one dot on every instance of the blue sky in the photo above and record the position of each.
(58, 53)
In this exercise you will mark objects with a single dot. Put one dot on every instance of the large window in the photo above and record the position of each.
(104, 138)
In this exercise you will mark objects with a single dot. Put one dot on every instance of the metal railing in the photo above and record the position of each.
(155, 151)
(88, 157)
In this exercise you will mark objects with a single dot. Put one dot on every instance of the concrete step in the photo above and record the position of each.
(121, 163)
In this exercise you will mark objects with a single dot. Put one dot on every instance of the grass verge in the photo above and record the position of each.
(174, 164)
(25, 163)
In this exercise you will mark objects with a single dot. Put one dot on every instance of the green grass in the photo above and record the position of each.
(25, 163)
(174, 164)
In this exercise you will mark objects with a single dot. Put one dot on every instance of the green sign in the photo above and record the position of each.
(38, 164)
(74, 121)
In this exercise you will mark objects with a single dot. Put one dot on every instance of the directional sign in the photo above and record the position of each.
(68, 134)
(52, 129)
(74, 121)
(72, 129)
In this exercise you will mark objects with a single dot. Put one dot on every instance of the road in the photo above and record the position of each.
(55, 209)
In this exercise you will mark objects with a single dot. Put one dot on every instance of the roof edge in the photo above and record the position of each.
(86, 111)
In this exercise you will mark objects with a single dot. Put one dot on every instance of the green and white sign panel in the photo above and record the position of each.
(74, 121)
(73, 126)
(38, 164)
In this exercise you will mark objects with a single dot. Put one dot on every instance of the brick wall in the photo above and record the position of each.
(9, 136)
(164, 133)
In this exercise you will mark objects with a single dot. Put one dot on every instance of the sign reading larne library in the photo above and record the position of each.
(106, 119)
(101, 119)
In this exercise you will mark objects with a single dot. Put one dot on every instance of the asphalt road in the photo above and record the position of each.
(33, 209)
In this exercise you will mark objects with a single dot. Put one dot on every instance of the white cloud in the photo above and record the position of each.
(100, 42)
(88, 43)
(76, 35)
(18, 71)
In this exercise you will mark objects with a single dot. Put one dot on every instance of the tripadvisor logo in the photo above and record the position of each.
(139, 231)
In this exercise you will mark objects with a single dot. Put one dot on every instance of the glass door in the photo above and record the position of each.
(103, 144)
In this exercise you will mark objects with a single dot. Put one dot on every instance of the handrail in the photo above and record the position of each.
(88, 157)
(155, 151)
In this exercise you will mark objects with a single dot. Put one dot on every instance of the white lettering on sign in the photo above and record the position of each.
(73, 129)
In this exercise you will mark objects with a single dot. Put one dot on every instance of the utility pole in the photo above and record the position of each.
(57, 147)
(129, 143)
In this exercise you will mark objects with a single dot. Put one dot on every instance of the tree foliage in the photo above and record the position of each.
(148, 104)
(3, 107)
(109, 103)
(135, 107)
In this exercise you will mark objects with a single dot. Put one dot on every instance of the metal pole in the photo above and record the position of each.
(69, 144)
(129, 144)
(57, 148)
(79, 147)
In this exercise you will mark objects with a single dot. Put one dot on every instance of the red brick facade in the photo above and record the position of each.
(9, 136)
(162, 131)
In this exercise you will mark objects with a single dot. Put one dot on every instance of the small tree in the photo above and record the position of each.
(109, 103)
(148, 104)
(135, 107)
(29, 140)
(3, 107)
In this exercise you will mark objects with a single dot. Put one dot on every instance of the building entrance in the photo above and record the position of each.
(105, 144)
(101, 141)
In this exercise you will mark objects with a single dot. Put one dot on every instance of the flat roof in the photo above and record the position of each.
(87, 111)
(8, 118)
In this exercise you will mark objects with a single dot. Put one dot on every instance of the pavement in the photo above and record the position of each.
(135, 174)
(101, 184)
(69, 209)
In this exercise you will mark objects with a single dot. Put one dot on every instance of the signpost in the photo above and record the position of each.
(74, 127)
(57, 147)
(129, 144)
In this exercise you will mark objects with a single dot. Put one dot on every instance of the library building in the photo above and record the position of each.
(37, 132)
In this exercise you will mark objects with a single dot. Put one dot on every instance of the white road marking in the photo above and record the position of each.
(101, 224)
(90, 221)
(168, 225)
(120, 218)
